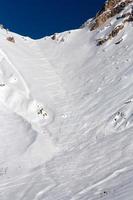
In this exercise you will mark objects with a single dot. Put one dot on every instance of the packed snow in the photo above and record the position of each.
(66, 117)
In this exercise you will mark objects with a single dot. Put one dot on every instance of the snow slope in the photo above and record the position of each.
(67, 116)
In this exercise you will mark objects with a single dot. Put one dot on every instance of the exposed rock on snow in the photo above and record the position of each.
(11, 39)
(119, 11)
(111, 35)
(110, 9)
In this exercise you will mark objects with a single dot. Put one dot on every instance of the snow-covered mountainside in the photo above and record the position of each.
(66, 111)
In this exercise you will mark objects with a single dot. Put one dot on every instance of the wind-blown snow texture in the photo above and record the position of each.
(66, 116)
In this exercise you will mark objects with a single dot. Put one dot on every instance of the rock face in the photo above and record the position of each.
(111, 4)
(118, 10)
(110, 9)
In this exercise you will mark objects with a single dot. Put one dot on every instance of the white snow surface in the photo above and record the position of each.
(66, 117)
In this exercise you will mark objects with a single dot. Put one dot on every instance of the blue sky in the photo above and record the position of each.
(38, 18)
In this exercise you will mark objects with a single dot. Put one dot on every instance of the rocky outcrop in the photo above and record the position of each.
(122, 13)
(116, 30)
(113, 33)
(110, 9)
(109, 4)
(129, 19)
(11, 39)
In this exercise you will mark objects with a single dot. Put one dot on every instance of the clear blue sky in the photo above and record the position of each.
(38, 18)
